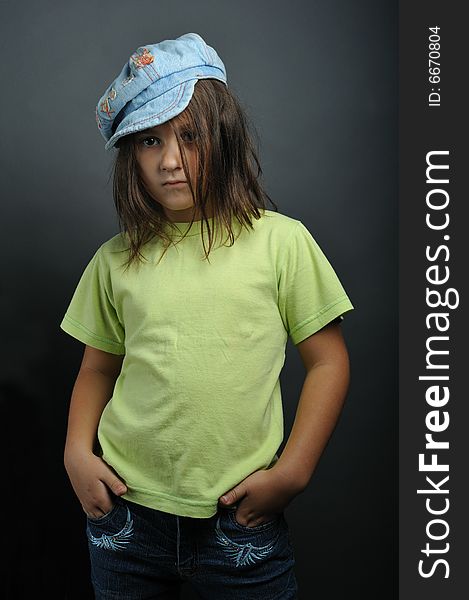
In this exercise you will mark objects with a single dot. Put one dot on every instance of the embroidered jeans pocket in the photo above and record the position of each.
(245, 546)
(113, 531)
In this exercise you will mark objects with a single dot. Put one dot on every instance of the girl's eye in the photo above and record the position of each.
(188, 136)
(148, 138)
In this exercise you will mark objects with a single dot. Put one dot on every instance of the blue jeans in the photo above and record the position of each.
(138, 552)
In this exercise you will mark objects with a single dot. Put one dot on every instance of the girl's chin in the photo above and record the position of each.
(188, 205)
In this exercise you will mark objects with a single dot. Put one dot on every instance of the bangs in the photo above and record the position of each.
(183, 119)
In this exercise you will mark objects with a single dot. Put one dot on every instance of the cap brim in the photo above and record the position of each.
(156, 111)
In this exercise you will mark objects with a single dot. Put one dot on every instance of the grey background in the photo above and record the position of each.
(319, 81)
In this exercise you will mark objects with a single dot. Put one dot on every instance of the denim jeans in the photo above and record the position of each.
(138, 552)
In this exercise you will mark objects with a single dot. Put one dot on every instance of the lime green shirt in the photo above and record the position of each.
(197, 406)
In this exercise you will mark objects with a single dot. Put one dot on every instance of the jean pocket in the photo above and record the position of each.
(244, 546)
(112, 531)
(104, 518)
(272, 523)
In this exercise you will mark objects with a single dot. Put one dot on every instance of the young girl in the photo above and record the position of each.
(176, 413)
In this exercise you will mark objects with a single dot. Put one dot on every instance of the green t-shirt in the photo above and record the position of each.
(197, 406)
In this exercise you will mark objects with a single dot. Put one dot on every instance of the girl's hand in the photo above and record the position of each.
(261, 496)
(93, 482)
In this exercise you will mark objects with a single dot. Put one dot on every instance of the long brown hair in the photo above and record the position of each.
(228, 172)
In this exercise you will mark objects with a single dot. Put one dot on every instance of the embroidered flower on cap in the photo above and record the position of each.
(145, 59)
(128, 79)
(106, 108)
(141, 60)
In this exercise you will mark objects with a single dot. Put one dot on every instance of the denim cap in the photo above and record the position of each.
(155, 85)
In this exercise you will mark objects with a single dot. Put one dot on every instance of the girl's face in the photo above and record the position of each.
(161, 164)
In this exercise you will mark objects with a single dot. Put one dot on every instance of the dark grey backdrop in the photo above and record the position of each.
(319, 81)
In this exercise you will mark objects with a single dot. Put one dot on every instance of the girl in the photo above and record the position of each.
(176, 412)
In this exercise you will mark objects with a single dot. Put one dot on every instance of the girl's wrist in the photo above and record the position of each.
(296, 482)
(76, 451)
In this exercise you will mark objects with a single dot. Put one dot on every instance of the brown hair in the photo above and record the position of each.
(227, 177)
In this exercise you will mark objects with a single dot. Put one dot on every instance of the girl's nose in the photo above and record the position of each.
(170, 156)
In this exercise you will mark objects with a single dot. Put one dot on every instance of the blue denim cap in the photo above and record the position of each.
(155, 85)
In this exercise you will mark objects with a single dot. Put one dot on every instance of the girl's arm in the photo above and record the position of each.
(326, 361)
(266, 492)
(89, 475)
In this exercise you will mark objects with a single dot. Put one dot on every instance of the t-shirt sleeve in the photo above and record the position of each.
(91, 316)
(310, 293)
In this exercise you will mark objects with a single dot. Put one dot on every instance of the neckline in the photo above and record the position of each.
(195, 227)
